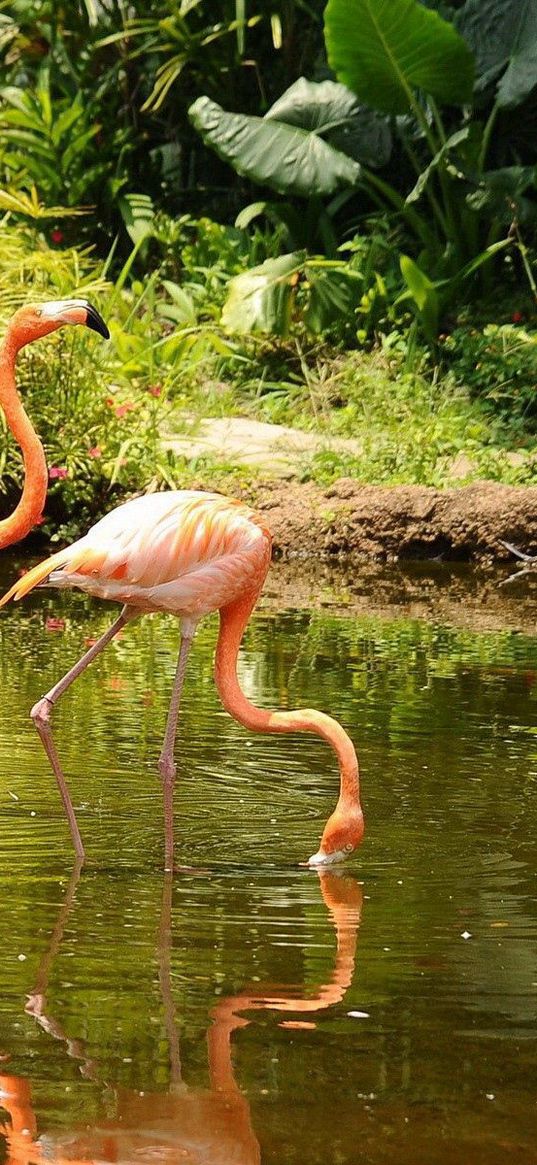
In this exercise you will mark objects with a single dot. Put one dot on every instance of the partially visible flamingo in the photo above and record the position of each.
(188, 553)
(30, 323)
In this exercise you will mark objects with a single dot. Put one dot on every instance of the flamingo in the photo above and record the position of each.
(185, 552)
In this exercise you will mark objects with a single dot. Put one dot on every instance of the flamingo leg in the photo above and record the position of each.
(166, 763)
(41, 717)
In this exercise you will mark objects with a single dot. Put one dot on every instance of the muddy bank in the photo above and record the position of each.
(478, 599)
(396, 523)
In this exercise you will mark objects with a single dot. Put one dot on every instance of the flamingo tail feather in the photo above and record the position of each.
(35, 576)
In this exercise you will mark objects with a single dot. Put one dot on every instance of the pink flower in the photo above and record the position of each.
(122, 410)
(95, 452)
(53, 624)
(56, 236)
(155, 389)
(57, 471)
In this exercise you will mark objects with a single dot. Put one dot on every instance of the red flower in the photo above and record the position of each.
(155, 389)
(58, 471)
(52, 624)
(517, 317)
(95, 452)
(56, 236)
(122, 410)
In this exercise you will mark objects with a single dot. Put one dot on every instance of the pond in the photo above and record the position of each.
(247, 1009)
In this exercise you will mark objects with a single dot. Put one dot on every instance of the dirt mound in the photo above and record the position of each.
(390, 523)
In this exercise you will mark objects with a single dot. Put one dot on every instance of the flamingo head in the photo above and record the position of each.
(33, 321)
(342, 833)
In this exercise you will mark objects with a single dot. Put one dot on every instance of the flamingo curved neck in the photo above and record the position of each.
(30, 506)
(233, 620)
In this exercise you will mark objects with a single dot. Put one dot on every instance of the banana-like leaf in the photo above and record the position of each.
(385, 49)
(260, 300)
(503, 37)
(272, 153)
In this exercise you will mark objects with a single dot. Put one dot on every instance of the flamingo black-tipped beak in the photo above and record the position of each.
(95, 321)
(74, 311)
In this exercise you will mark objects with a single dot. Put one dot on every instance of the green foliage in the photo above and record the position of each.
(498, 364)
(458, 214)
(289, 148)
(49, 143)
(385, 50)
(459, 207)
(368, 220)
(274, 296)
(430, 434)
(129, 76)
(506, 60)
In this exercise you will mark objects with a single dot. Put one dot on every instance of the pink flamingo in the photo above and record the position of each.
(185, 552)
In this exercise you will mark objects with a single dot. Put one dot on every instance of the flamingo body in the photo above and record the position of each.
(183, 551)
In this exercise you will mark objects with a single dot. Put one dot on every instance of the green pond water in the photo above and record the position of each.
(247, 1009)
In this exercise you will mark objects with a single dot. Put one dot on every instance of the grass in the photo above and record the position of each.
(101, 409)
(413, 426)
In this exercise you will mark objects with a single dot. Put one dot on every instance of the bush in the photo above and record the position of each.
(498, 365)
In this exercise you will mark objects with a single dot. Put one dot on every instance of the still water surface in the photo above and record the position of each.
(249, 1010)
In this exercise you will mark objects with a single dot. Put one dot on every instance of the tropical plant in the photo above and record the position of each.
(409, 61)
(310, 144)
(134, 74)
(406, 61)
(222, 43)
(63, 122)
(49, 143)
(318, 292)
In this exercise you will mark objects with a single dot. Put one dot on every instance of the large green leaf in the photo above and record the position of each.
(285, 157)
(260, 300)
(385, 49)
(332, 111)
(503, 37)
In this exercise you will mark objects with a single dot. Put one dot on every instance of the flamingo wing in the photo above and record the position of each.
(183, 551)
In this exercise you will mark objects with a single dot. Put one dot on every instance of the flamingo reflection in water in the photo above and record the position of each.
(183, 1126)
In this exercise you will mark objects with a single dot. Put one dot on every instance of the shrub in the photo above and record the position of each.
(498, 364)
